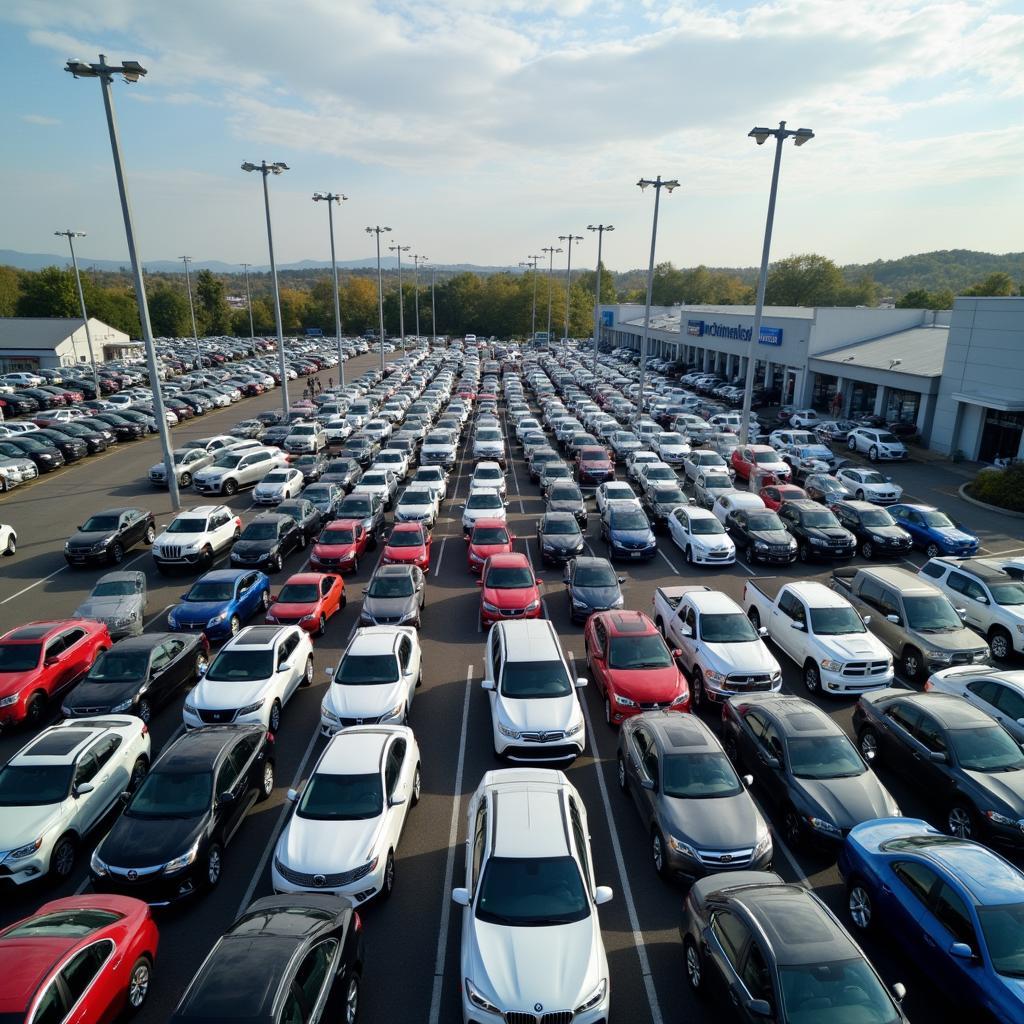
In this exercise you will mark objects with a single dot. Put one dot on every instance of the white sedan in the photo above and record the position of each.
(277, 486)
(672, 447)
(349, 814)
(434, 477)
(418, 504)
(701, 537)
(876, 444)
(8, 540)
(870, 485)
(482, 503)
(614, 490)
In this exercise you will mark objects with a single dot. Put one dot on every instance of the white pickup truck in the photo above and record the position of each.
(720, 651)
(824, 634)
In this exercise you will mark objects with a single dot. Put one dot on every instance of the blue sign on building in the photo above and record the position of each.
(734, 332)
(770, 336)
(608, 317)
(695, 328)
(314, 332)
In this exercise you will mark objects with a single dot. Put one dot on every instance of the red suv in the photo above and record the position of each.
(750, 457)
(41, 660)
(632, 666)
(340, 546)
(489, 537)
(594, 466)
(509, 589)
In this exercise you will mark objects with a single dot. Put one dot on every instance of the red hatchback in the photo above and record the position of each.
(340, 546)
(632, 666)
(594, 466)
(308, 600)
(509, 589)
(41, 660)
(409, 544)
(489, 537)
(775, 494)
(79, 960)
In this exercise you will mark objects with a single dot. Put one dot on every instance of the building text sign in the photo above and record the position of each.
(734, 332)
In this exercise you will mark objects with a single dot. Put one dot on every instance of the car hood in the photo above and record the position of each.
(26, 824)
(220, 696)
(555, 966)
(597, 597)
(648, 684)
(146, 842)
(199, 611)
(364, 701)
(566, 505)
(389, 607)
(855, 647)
(957, 640)
(253, 547)
(109, 607)
(751, 657)
(547, 715)
(829, 533)
(726, 823)
(102, 695)
(848, 802)
(563, 541)
(333, 550)
(405, 554)
(14, 682)
(292, 610)
(1006, 787)
(514, 597)
(771, 536)
(638, 536)
(86, 539)
(327, 847)
(953, 535)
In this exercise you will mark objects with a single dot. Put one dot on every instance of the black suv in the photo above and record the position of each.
(817, 532)
(267, 541)
(659, 500)
(107, 536)
(877, 533)
(761, 536)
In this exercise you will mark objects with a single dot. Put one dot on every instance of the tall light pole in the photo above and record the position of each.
(248, 302)
(331, 198)
(416, 261)
(132, 71)
(71, 236)
(761, 136)
(267, 169)
(550, 250)
(401, 296)
(433, 309)
(568, 278)
(658, 185)
(378, 231)
(600, 229)
(534, 260)
(192, 311)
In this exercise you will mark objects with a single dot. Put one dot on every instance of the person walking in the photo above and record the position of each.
(837, 405)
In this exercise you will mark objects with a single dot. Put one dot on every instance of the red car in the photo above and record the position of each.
(774, 495)
(41, 660)
(749, 457)
(79, 960)
(409, 544)
(509, 589)
(632, 666)
(594, 466)
(340, 546)
(308, 600)
(489, 537)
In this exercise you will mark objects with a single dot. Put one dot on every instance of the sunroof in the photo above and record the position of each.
(32, 632)
(58, 743)
(685, 734)
(260, 634)
(804, 721)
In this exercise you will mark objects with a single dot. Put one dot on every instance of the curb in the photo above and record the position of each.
(962, 491)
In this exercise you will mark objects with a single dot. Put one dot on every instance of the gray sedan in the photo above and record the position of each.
(119, 600)
(395, 597)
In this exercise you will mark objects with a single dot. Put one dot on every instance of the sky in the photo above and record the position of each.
(481, 130)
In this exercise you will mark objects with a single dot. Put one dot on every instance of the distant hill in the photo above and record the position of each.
(955, 269)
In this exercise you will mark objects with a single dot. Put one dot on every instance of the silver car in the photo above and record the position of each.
(187, 462)
(119, 601)
(395, 597)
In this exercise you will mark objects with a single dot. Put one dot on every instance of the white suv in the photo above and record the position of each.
(349, 815)
(306, 437)
(233, 470)
(252, 678)
(531, 938)
(195, 537)
(56, 789)
(535, 712)
(876, 444)
(187, 462)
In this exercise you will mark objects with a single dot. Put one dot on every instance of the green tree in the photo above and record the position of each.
(168, 311)
(804, 280)
(997, 283)
(586, 279)
(921, 298)
(214, 314)
(10, 291)
(50, 292)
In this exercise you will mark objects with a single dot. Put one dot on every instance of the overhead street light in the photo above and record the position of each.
(330, 198)
(378, 231)
(416, 261)
(71, 236)
(550, 250)
(568, 278)
(600, 229)
(192, 311)
(248, 302)
(401, 297)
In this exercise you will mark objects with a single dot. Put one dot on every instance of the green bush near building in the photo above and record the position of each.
(1002, 487)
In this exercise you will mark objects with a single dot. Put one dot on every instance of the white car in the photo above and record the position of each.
(488, 444)
(60, 786)
(998, 693)
(277, 486)
(187, 462)
(614, 490)
(417, 505)
(637, 459)
(349, 814)
(806, 419)
(377, 430)
(196, 536)
(306, 437)
(434, 477)
(376, 680)
(253, 676)
(700, 535)
(238, 468)
(394, 459)
(22, 380)
(531, 937)
(710, 485)
(672, 447)
(877, 444)
(482, 503)
(700, 460)
(8, 540)
(535, 711)
(337, 429)
(488, 474)
(733, 500)
(870, 485)
(438, 449)
(379, 481)
(14, 427)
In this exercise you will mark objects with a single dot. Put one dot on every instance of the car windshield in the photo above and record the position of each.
(638, 652)
(490, 535)
(374, 480)
(849, 988)
(116, 666)
(511, 577)
(417, 497)
(987, 748)
(181, 456)
(488, 474)
(599, 574)
(483, 499)
(275, 478)
(227, 461)
(669, 496)
(367, 670)
(338, 535)
(328, 797)
(764, 522)
(824, 757)
(298, 593)
(560, 526)
(931, 615)
(238, 666)
(827, 483)
(116, 588)
(405, 539)
(99, 524)
(19, 657)
(818, 519)
(488, 435)
(726, 628)
(706, 526)
(671, 439)
(876, 517)
(1007, 593)
(1003, 928)
(886, 438)
(937, 520)
(564, 493)
(765, 458)
(718, 481)
(526, 892)
(187, 524)
(836, 621)
(171, 794)
(34, 785)
(630, 519)
(699, 776)
(355, 507)
(260, 531)
(872, 477)
(527, 680)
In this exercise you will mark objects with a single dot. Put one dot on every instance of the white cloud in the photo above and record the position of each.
(40, 119)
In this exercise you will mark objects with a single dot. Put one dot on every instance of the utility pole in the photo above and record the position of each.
(568, 278)
(71, 236)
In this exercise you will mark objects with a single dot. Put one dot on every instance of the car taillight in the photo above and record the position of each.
(145, 729)
(928, 686)
(357, 922)
(270, 737)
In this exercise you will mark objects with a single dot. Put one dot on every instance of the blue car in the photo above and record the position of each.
(220, 601)
(627, 531)
(952, 904)
(933, 531)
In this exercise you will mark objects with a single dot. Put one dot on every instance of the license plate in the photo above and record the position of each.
(636, 554)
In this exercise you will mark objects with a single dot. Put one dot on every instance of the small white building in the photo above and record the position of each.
(30, 343)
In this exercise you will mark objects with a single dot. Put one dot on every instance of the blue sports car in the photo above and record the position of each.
(220, 601)
(933, 531)
(952, 904)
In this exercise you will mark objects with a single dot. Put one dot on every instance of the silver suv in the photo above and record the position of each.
(233, 470)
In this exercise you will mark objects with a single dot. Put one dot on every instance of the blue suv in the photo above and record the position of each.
(220, 601)
(934, 532)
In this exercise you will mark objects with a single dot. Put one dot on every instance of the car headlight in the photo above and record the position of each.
(189, 709)
(941, 656)
(217, 618)
(125, 705)
(994, 816)
(96, 864)
(474, 995)
(250, 708)
(6, 702)
(823, 826)
(548, 547)
(761, 545)
(624, 701)
(574, 730)
(681, 699)
(507, 730)
(831, 666)
(682, 848)
(183, 861)
(594, 998)
(534, 605)
(24, 851)
(395, 712)
(763, 845)
(488, 607)
(714, 677)
(818, 541)
(326, 712)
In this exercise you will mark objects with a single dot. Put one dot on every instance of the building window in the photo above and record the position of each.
(1000, 437)
(862, 399)
(902, 406)
(824, 390)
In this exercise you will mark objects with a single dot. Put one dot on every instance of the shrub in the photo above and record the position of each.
(1002, 487)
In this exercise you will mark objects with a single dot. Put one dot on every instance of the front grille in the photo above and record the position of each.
(962, 659)
(288, 620)
(170, 551)
(725, 858)
(216, 717)
(510, 613)
(720, 554)
(321, 881)
(529, 1017)
(84, 712)
(761, 681)
(543, 737)
(653, 705)
(347, 722)
(865, 668)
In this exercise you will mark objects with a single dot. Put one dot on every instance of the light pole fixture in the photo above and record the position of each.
(192, 311)
(416, 261)
(330, 198)
(761, 136)
(568, 278)
(267, 169)
(71, 236)
(401, 297)
(248, 302)
(378, 231)
(534, 260)
(131, 71)
(657, 184)
(433, 309)
(600, 229)
(550, 250)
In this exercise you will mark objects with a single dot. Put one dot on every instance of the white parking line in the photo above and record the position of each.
(449, 868)
(780, 847)
(667, 561)
(159, 615)
(440, 555)
(25, 590)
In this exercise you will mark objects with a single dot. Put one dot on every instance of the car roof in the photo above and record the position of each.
(528, 819)
(698, 512)
(370, 640)
(224, 575)
(818, 594)
(981, 568)
(355, 751)
(902, 579)
(951, 710)
(62, 743)
(626, 622)
(679, 733)
(508, 560)
(200, 748)
(199, 510)
(522, 633)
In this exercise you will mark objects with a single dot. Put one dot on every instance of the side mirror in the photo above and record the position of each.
(797, 625)
(292, 796)
(396, 801)
(487, 684)
(762, 631)
(981, 599)
(273, 597)
(50, 662)
(893, 618)
(85, 787)
(512, 538)
(603, 894)
(759, 1008)
(748, 781)
(226, 798)
(540, 582)
(286, 667)
(329, 671)
(479, 583)
(961, 950)
(962, 612)
(866, 619)
(581, 681)
(676, 652)
(899, 991)
(938, 756)
(685, 630)
(771, 762)
(124, 796)
(461, 897)
(647, 784)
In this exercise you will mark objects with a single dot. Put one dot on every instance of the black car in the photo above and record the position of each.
(877, 533)
(959, 759)
(168, 843)
(107, 535)
(20, 404)
(72, 448)
(311, 466)
(658, 501)
(344, 472)
(286, 959)
(269, 417)
(816, 530)
(94, 440)
(559, 537)
(326, 496)
(275, 434)
(267, 541)
(305, 513)
(43, 399)
(362, 449)
(42, 453)
(101, 427)
(761, 536)
(592, 586)
(770, 950)
(565, 496)
(197, 405)
(365, 508)
(125, 430)
(143, 419)
(806, 765)
(138, 675)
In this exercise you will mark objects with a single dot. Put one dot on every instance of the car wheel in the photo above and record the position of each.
(275, 716)
(792, 828)
(912, 663)
(388, 882)
(748, 554)
(277, 564)
(688, 555)
(186, 479)
(658, 854)
(805, 553)
(150, 534)
(608, 713)
(200, 666)
(144, 711)
(138, 984)
(62, 859)
(321, 627)
(417, 786)
(960, 822)
(230, 487)
(117, 552)
(867, 549)
(851, 443)
(873, 454)
(207, 557)
(139, 770)
(868, 743)
(694, 966)
(859, 495)
(236, 534)
(1000, 642)
(12, 546)
(697, 697)
(214, 864)
(812, 677)
(35, 709)
(620, 772)
(355, 565)
(755, 618)
(267, 782)
(235, 625)
(352, 999)
(858, 902)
